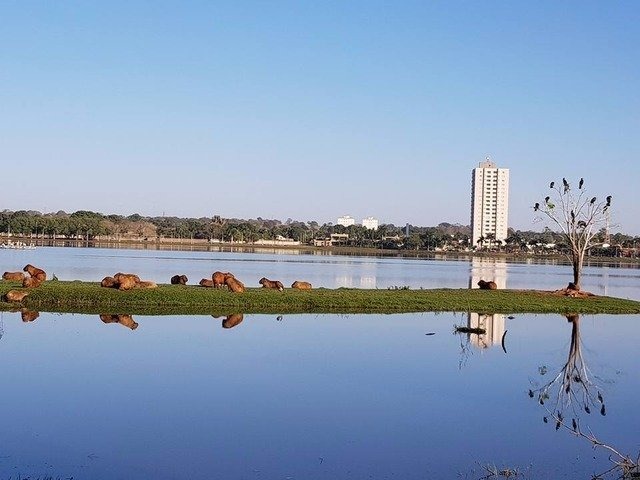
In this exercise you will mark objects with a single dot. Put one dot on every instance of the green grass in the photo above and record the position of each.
(86, 297)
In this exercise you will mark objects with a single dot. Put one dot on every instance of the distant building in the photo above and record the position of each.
(346, 221)
(370, 223)
(489, 203)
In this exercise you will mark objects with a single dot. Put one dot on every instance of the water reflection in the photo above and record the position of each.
(29, 315)
(488, 269)
(122, 319)
(491, 324)
(232, 320)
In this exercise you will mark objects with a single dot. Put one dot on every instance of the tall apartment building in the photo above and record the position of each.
(346, 221)
(489, 202)
(370, 223)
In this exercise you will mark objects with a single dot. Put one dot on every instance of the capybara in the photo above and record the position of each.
(234, 284)
(126, 282)
(120, 275)
(143, 284)
(31, 282)
(232, 320)
(487, 285)
(219, 277)
(13, 276)
(15, 295)
(126, 320)
(205, 282)
(29, 315)
(109, 282)
(275, 284)
(35, 272)
(301, 285)
(179, 280)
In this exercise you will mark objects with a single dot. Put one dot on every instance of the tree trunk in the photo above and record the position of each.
(577, 259)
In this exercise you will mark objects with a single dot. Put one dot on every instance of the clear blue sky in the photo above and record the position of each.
(312, 110)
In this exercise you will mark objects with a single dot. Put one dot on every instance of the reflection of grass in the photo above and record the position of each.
(86, 297)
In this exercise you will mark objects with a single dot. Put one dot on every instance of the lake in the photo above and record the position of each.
(314, 396)
(330, 271)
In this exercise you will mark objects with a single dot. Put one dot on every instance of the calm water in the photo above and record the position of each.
(321, 270)
(307, 396)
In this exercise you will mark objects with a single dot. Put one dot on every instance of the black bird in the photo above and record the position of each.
(544, 419)
(587, 409)
(552, 184)
(593, 200)
(546, 199)
(574, 424)
(603, 412)
(600, 399)
(536, 207)
(566, 185)
(608, 200)
(531, 393)
(581, 183)
(573, 217)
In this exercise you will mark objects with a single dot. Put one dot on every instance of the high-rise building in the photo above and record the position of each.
(489, 203)
(370, 223)
(346, 221)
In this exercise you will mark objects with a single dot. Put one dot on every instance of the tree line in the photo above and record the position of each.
(90, 225)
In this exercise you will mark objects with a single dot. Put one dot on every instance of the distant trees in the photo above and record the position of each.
(579, 218)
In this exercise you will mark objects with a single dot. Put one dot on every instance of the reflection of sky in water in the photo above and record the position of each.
(309, 396)
(333, 271)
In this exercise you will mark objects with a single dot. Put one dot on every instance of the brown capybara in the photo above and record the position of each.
(179, 280)
(126, 282)
(15, 295)
(119, 275)
(205, 282)
(232, 320)
(13, 276)
(126, 320)
(234, 284)
(109, 282)
(29, 315)
(301, 285)
(31, 282)
(219, 277)
(143, 284)
(275, 284)
(35, 272)
(487, 285)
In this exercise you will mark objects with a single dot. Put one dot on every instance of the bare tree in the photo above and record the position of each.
(579, 218)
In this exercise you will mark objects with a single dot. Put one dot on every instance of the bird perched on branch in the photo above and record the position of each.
(536, 207)
(552, 184)
(581, 183)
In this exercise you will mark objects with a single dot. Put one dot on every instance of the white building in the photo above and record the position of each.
(370, 223)
(489, 203)
(346, 221)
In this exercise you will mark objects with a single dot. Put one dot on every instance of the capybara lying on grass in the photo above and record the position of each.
(109, 282)
(205, 282)
(31, 282)
(13, 276)
(35, 272)
(301, 285)
(179, 280)
(487, 285)
(15, 295)
(275, 284)
(234, 284)
(143, 284)
(219, 278)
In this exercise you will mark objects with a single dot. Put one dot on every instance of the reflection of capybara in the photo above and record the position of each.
(234, 284)
(15, 296)
(275, 284)
(126, 320)
(219, 278)
(205, 282)
(179, 280)
(487, 285)
(232, 320)
(29, 315)
(109, 282)
(31, 282)
(301, 285)
(35, 272)
(13, 276)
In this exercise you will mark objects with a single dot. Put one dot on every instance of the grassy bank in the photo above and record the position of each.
(86, 297)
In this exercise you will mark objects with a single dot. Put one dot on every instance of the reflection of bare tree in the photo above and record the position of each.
(125, 320)
(572, 392)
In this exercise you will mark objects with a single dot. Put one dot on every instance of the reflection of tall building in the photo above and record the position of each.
(489, 203)
(492, 324)
(488, 269)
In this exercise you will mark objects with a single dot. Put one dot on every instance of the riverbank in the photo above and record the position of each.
(89, 297)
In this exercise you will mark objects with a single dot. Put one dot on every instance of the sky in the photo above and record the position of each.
(312, 110)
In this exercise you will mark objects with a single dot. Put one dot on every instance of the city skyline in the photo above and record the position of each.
(304, 111)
